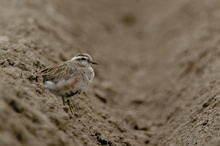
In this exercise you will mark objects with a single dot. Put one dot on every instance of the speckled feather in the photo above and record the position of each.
(62, 71)
(67, 78)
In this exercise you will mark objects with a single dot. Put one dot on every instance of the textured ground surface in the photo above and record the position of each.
(157, 82)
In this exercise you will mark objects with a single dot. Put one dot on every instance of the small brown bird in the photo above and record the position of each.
(69, 78)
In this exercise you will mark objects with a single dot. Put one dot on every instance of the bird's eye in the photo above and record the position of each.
(83, 59)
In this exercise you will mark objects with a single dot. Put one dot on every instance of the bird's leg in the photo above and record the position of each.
(64, 102)
(70, 106)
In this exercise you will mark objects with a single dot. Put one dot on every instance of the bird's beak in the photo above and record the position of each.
(94, 62)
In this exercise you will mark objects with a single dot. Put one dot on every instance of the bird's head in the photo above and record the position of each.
(83, 59)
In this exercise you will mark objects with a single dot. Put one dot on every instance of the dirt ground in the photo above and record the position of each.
(157, 82)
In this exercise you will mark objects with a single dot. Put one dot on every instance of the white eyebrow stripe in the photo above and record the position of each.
(78, 57)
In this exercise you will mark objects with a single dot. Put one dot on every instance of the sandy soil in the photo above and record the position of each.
(156, 83)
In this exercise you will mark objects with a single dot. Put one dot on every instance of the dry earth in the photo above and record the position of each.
(157, 82)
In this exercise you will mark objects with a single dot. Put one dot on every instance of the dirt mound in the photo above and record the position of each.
(156, 83)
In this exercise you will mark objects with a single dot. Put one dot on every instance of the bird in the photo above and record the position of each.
(70, 78)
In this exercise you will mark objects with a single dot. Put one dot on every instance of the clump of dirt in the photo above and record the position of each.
(156, 82)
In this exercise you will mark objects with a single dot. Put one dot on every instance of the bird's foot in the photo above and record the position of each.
(70, 106)
(64, 102)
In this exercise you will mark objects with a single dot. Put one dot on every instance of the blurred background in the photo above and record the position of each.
(156, 83)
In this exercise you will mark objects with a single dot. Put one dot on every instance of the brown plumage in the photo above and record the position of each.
(70, 77)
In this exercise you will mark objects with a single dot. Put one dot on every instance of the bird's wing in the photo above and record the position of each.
(62, 71)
